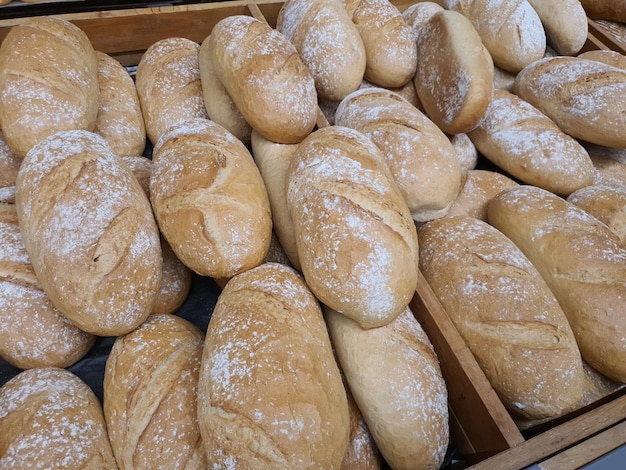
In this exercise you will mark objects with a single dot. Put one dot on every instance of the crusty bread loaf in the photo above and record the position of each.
(48, 81)
(606, 203)
(7, 195)
(141, 167)
(582, 261)
(362, 453)
(270, 393)
(477, 189)
(510, 29)
(466, 152)
(356, 241)
(150, 395)
(209, 199)
(52, 419)
(168, 85)
(612, 10)
(265, 77)
(610, 165)
(606, 56)
(219, 105)
(33, 333)
(418, 14)
(527, 144)
(585, 98)
(9, 164)
(328, 42)
(454, 81)
(565, 24)
(419, 155)
(506, 313)
(391, 55)
(89, 231)
(396, 381)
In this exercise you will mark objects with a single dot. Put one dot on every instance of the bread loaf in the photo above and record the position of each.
(454, 80)
(51, 419)
(609, 163)
(421, 159)
(356, 241)
(585, 98)
(503, 80)
(89, 231)
(506, 314)
(264, 75)
(169, 86)
(9, 164)
(608, 204)
(565, 24)
(391, 55)
(150, 390)
(209, 199)
(270, 393)
(362, 453)
(612, 10)
(33, 333)
(48, 81)
(7, 195)
(528, 145)
(466, 152)
(141, 167)
(605, 56)
(582, 261)
(418, 14)
(119, 119)
(328, 42)
(396, 381)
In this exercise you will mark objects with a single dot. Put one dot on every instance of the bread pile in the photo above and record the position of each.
(313, 170)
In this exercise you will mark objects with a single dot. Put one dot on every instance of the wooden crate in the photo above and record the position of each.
(483, 432)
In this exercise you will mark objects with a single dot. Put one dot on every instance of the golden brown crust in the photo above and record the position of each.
(606, 203)
(565, 23)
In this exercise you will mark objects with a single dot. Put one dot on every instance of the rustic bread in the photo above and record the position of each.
(565, 24)
(418, 14)
(168, 85)
(506, 314)
(265, 77)
(209, 199)
(466, 152)
(608, 204)
(270, 393)
(611, 10)
(583, 262)
(395, 378)
(89, 231)
(356, 241)
(362, 453)
(48, 81)
(52, 419)
(150, 395)
(606, 56)
(609, 163)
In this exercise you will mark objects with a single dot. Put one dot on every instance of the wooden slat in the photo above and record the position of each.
(611, 34)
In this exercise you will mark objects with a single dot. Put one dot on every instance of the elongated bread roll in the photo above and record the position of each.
(582, 261)
(606, 56)
(605, 203)
(270, 393)
(396, 381)
(466, 152)
(585, 98)
(150, 395)
(265, 77)
(48, 81)
(362, 453)
(506, 313)
(90, 233)
(565, 23)
(356, 241)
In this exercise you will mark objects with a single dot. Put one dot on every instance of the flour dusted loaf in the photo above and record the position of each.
(51, 419)
(150, 395)
(419, 155)
(585, 98)
(395, 378)
(506, 314)
(209, 199)
(89, 231)
(33, 333)
(265, 77)
(606, 56)
(270, 393)
(119, 118)
(356, 241)
(362, 452)
(48, 81)
(565, 24)
(582, 261)
(168, 85)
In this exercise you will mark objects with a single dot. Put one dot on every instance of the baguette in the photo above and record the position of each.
(565, 24)
(605, 203)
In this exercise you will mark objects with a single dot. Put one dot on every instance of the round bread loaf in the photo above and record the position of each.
(356, 241)
(328, 42)
(9, 164)
(209, 199)
(396, 381)
(33, 333)
(582, 261)
(90, 233)
(168, 85)
(565, 24)
(506, 314)
(52, 419)
(119, 119)
(608, 204)
(150, 395)
(270, 393)
(420, 157)
(265, 77)
(48, 81)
